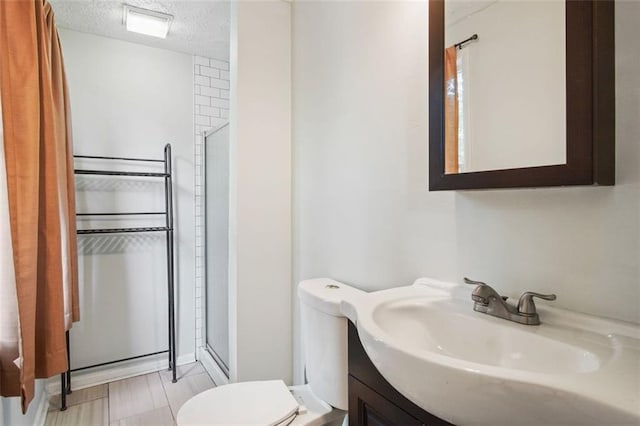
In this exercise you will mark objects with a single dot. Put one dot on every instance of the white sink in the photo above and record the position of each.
(465, 335)
(471, 368)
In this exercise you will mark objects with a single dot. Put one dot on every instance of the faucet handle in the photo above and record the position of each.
(526, 306)
(482, 292)
(480, 284)
(470, 281)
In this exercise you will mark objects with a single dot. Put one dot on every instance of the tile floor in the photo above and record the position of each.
(150, 399)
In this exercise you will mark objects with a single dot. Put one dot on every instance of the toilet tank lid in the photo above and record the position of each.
(325, 294)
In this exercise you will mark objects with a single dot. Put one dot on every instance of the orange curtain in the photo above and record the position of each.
(450, 110)
(41, 196)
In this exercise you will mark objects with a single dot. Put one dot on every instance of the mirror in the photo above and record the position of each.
(521, 93)
(498, 54)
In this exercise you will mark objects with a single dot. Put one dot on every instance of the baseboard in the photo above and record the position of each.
(123, 370)
(41, 413)
(209, 364)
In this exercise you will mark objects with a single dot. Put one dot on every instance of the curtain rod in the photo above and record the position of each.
(460, 45)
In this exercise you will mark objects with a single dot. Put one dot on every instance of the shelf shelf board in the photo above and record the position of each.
(116, 173)
(97, 157)
(122, 230)
(121, 214)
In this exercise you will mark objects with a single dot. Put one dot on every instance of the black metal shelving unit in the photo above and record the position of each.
(168, 229)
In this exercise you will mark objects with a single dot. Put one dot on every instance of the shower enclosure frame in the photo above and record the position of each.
(207, 347)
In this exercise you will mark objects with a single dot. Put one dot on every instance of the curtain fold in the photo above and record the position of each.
(450, 110)
(40, 191)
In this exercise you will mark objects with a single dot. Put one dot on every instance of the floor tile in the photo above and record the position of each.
(92, 413)
(182, 371)
(135, 395)
(188, 386)
(81, 395)
(158, 417)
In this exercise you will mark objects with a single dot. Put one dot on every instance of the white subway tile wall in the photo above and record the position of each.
(211, 109)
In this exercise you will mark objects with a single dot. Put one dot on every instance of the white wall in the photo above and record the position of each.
(260, 190)
(363, 214)
(129, 100)
(514, 84)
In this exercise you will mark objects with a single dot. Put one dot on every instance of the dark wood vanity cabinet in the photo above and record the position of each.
(372, 400)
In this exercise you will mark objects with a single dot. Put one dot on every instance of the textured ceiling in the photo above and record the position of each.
(198, 27)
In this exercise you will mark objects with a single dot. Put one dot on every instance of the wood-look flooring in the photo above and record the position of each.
(150, 399)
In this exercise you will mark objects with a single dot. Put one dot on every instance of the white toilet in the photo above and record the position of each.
(323, 401)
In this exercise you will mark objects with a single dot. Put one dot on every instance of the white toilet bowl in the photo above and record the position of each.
(259, 403)
(270, 402)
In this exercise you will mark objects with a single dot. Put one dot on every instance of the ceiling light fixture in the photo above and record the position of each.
(148, 22)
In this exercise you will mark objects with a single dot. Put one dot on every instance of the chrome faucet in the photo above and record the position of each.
(488, 301)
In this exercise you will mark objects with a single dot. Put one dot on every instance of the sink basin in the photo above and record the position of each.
(471, 368)
(486, 340)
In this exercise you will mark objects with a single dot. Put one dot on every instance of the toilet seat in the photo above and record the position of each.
(250, 403)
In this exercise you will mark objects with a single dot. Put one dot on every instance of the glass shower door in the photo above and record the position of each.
(216, 145)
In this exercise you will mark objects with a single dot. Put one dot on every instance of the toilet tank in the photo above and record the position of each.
(324, 338)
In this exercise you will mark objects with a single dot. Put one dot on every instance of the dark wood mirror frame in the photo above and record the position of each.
(590, 97)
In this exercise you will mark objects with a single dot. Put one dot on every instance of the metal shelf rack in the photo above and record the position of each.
(65, 378)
